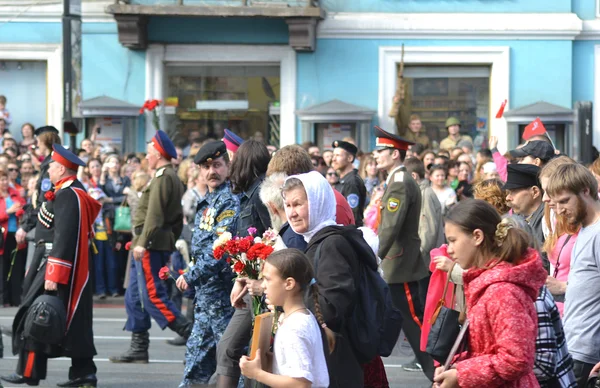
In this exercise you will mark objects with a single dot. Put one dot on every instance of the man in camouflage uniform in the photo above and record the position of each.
(217, 213)
(157, 223)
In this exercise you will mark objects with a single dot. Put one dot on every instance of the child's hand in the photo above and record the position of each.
(442, 263)
(250, 368)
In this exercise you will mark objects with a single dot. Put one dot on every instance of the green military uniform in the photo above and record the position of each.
(400, 246)
(420, 138)
(158, 220)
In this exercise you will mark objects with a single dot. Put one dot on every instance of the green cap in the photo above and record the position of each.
(452, 121)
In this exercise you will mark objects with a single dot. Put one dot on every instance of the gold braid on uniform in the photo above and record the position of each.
(502, 231)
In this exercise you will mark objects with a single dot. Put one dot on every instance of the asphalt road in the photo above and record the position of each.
(166, 362)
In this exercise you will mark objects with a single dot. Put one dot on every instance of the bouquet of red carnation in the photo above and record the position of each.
(246, 255)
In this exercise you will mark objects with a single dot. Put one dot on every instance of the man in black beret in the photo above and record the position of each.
(524, 196)
(350, 184)
(212, 279)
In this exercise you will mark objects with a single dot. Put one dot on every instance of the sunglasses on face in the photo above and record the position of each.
(13, 170)
(331, 174)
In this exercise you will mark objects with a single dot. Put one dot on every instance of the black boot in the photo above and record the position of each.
(181, 326)
(189, 314)
(137, 352)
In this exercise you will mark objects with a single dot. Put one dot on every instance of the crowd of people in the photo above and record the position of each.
(515, 234)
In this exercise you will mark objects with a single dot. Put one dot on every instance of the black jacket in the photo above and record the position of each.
(337, 273)
(29, 219)
(253, 213)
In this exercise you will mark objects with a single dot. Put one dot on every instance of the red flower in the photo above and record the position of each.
(239, 267)
(259, 250)
(232, 247)
(218, 252)
(50, 195)
(128, 246)
(142, 111)
(164, 273)
(265, 252)
(181, 272)
(245, 244)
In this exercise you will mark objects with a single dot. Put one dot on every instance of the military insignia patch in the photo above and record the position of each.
(46, 184)
(225, 214)
(160, 172)
(352, 200)
(393, 204)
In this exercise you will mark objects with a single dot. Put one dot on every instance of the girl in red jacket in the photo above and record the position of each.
(502, 280)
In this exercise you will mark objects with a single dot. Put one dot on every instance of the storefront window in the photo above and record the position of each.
(209, 99)
(436, 93)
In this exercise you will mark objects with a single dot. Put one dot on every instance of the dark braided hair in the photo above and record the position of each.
(293, 263)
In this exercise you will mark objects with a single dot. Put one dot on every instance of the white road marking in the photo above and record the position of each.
(106, 360)
(95, 319)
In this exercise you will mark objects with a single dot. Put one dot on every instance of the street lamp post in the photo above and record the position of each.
(71, 39)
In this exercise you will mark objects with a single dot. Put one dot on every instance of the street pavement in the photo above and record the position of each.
(166, 362)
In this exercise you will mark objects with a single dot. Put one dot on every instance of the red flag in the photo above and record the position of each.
(535, 128)
(501, 110)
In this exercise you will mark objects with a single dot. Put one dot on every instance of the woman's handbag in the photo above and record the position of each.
(445, 326)
(122, 218)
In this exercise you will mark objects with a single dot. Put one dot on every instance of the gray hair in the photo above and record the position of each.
(270, 189)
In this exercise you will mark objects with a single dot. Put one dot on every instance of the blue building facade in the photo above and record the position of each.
(461, 58)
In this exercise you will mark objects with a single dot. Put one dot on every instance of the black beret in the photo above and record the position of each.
(349, 147)
(46, 128)
(210, 151)
(522, 176)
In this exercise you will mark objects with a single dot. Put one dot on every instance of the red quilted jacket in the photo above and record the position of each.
(503, 328)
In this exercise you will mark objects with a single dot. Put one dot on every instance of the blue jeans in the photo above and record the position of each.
(105, 264)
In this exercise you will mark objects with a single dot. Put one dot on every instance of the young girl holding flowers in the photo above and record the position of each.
(299, 357)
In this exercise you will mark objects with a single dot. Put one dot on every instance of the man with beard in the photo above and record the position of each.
(350, 184)
(574, 191)
(524, 196)
(66, 217)
(217, 213)
(157, 224)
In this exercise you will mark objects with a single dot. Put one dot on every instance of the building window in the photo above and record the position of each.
(435, 93)
(210, 98)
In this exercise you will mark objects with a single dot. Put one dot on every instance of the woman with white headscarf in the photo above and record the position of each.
(310, 209)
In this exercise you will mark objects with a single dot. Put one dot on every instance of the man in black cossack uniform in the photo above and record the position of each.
(351, 184)
(66, 219)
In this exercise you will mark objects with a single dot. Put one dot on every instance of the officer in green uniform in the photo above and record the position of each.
(350, 184)
(399, 243)
(157, 223)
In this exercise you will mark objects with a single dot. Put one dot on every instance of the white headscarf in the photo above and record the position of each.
(321, 203)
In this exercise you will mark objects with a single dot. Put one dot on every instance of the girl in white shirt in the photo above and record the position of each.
(298, 355)
(445, 194)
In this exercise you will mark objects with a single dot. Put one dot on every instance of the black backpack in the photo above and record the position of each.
(46, 320)
(375, 324)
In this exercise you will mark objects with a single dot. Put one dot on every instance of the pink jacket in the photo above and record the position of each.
(501, 165)
(503, 328)
(564, 261)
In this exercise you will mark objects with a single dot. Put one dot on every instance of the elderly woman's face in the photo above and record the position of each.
(296, 209)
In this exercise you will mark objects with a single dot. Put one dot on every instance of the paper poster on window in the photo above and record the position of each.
(111, 132)
(336, 132)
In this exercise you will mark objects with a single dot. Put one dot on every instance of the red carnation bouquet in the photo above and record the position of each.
(246, 255)
(150, 106)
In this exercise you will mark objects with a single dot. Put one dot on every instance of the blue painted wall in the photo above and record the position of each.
(30, 32)
(585, 9)
(349, 70)
(109, 68)
(509, 6)
(583, 70)
(218, 30)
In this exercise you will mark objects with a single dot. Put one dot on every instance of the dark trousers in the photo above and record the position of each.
(406, 299)
(232, 344)
(34, 365)
(582, 372)
(145, 287)
(105, 265)
(7, 290)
